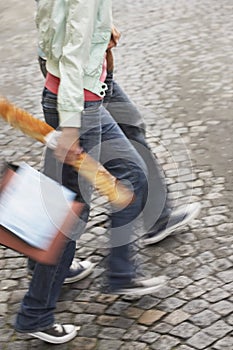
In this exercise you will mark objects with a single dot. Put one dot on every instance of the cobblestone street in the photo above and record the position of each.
(175, 60)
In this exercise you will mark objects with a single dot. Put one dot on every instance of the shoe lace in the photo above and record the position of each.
(75, 265)
(58, 328)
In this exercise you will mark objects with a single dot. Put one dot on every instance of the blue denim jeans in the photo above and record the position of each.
(102, 138)
(130, 120)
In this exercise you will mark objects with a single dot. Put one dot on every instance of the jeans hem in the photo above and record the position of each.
(40, 329)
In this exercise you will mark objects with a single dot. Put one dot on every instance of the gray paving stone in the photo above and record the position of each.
(202, 272)
(219, 329)
(117, 308)
(121, 322)
(6, 335)
(209, 283)
(230, 319)
(181, 282)
(205, 318)
(215, 220)
(167, 258)
(222, 252)
(223, 307)
(185, 250)
(4, 296)
(226, 343)
(176, 317)
(149, 337)
(228, 287)
(147, 302)
(111, 333)
(216, 295)
(81, 319)
(171, 304)
(226, 276)
(221, 264)
(87, 295)
(201, 340)
(109, 345)
(96, 308)
(91, 331)
(184, 330)
(226, 227)
(134, 346)
(165, 342)
(191, 292)
(188, 264)
(135, 332)
(85, 343)
(16, 345)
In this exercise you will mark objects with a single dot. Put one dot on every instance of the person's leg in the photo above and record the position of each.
(67, 176)
(159, 218)
(128, 117)
(37, 308)
(78, 270)
(123, 161)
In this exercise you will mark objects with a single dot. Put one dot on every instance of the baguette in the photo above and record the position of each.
(93, 171)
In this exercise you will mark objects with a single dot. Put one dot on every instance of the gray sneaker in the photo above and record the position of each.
(168, 225)
(77, 272)
(142, 286)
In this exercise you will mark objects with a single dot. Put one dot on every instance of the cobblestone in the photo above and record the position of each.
(177, 317)
(204, 318)
(175, 61)
(151, 316)
(201, 340)
(226, 343)
(184, 330)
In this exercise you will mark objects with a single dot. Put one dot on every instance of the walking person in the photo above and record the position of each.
(74, 36)
(160, 219)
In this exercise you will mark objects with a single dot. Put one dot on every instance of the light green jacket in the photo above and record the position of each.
(74, 35)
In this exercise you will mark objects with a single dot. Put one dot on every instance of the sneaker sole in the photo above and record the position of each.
(80, 276)
(194, 212)
(55, 340)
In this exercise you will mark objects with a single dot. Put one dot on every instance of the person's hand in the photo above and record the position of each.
(68, 147)
(115, 37)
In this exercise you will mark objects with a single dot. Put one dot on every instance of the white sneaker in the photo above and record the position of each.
(57, 334)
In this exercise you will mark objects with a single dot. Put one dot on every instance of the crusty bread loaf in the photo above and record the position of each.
(93, 171)
(24, 121)
(103, 181)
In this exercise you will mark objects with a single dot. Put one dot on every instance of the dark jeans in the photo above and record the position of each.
(101, 137)
(130, 120)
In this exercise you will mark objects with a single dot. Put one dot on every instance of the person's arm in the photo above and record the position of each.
(115, 37)
(78, 30)
(79, 27)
